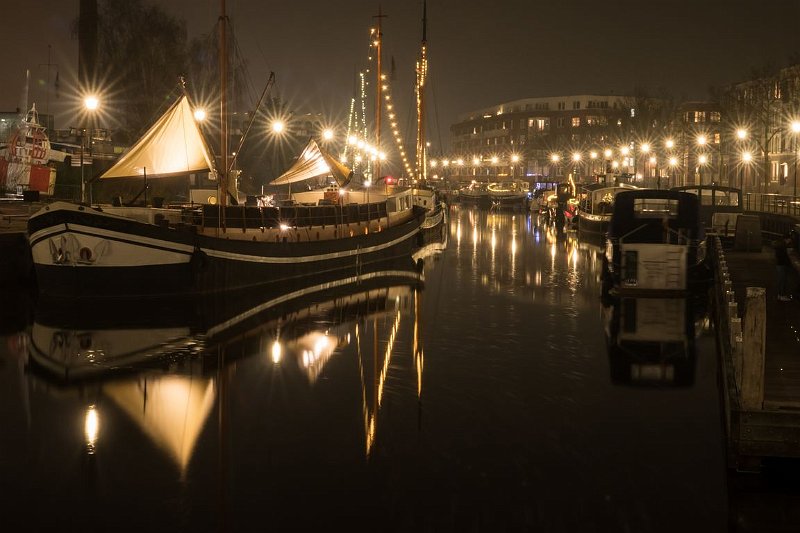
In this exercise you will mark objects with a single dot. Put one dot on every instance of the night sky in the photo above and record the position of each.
(481, 53)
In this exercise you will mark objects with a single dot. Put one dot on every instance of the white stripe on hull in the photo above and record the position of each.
(119, 249)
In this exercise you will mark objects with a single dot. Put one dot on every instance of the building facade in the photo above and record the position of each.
(767, 108)
(537, 138)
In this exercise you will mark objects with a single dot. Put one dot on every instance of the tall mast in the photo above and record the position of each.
(376, 172)
(223, 108)
(422, 74)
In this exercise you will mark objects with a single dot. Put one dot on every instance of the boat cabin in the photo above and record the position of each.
(719, 206)
(653, 241)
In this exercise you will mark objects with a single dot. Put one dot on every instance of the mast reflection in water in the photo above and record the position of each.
(479, 394)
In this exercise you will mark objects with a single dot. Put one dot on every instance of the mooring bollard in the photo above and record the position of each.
(736, 330)
(733, 311)
(754, 333)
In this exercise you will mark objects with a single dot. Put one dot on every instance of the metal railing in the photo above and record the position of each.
(780, 204)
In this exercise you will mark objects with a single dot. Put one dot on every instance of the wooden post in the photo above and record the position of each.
(736, 349)
(754, 340)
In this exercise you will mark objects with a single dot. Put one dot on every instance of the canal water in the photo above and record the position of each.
(486, 388)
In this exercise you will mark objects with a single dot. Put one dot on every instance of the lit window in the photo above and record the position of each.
(576, 122)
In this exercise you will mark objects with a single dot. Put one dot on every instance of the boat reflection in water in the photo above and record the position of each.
(651, 341)
(168, 380)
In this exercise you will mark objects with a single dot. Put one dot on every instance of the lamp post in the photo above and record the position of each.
(607, 153)
(278, 129)
(576, 160)
(592, 158)
(796, 131)
(645, 149)
(673, 162)
(514, 161)
(90, 104)
(741, 136)
(555, 158)
(625, 151)
(669, 145)
(747, 157)
(702, 160)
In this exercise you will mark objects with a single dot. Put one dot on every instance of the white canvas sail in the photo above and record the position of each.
(314, 163)
(173, 145)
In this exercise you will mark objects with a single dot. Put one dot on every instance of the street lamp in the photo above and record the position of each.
(702, 160)
(673, 162)
(747, 158)
(576, 159)
(555, 158)
(514, 162)
(90, 104)
(645, 149)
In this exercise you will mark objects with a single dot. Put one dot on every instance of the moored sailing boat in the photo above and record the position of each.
(434, 227)
(80, 250)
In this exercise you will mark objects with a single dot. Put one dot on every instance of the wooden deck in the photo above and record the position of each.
(762, 415)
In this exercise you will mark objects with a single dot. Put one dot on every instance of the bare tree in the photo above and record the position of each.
(141, 54)
(759, 104)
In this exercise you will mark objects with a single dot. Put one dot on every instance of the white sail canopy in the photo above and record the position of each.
(173, 145)
(314, 163)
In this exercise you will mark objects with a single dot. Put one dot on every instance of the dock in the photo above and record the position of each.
(758, 340)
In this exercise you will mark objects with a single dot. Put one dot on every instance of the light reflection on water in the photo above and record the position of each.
(500, 395)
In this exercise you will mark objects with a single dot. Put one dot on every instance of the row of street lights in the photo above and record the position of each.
(628, 155)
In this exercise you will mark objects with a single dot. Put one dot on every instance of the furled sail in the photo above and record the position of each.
(314, 163)
(173, 145)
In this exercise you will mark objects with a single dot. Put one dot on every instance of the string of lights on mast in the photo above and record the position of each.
(358, 149)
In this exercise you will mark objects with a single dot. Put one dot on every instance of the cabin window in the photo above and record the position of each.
(726, 198)
(655, 207)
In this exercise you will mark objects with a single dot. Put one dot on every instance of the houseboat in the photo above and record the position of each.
(508, 195)
(655, 244)
(476, 193)
(596, 207)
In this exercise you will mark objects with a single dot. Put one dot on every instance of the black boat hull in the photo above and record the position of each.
(88, 253)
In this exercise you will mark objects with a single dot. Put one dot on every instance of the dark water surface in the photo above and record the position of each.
(485, 398)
